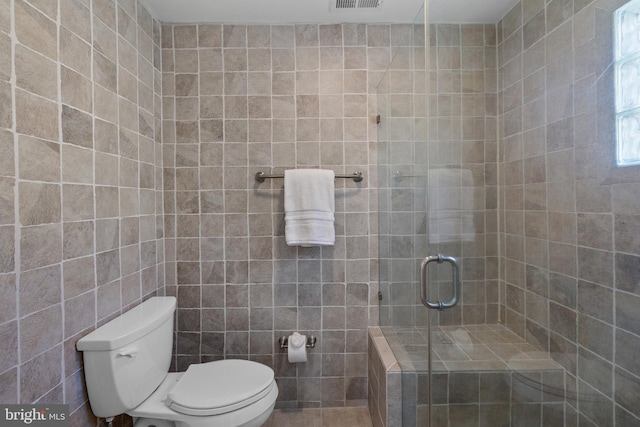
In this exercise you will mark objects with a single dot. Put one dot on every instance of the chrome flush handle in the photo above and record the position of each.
(127, 353)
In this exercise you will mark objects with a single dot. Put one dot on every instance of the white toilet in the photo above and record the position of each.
(126, 364)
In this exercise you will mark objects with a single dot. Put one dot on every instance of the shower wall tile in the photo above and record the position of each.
(571, 181)
(239, 99)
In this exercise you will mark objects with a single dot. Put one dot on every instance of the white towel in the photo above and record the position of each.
(309, 206)
(450, 223)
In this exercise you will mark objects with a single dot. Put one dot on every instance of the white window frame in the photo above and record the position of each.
(627, 83)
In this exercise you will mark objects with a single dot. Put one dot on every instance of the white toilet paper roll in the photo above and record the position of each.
(297, 350)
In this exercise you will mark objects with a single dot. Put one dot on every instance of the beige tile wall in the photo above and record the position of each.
(569, 216)
(385, 384)
(81, 231)
(241, 99)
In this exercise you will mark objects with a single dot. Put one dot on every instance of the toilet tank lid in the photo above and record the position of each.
(130, 326)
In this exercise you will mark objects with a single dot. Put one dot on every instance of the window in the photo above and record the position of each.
(627, 83)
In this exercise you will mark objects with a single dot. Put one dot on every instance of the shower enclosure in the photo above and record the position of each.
(496, 161)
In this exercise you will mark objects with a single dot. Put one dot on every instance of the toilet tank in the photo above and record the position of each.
(126, 359)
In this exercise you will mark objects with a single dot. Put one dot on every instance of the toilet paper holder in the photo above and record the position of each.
(284, 342)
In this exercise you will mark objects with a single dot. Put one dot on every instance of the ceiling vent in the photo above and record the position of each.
(355, 4)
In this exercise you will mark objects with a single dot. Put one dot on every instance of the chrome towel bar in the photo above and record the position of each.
(356, 176)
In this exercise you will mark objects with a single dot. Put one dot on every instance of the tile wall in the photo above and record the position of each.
(242, 99)
(569, 216)
(507, 398)
(386, 383)
(80, 185)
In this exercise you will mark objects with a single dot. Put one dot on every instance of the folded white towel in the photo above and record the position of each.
(449, 223)
(309, 206)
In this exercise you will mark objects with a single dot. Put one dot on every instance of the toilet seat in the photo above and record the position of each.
(219, 387)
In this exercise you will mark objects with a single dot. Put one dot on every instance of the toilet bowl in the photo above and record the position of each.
(216, 394)
(126, 365)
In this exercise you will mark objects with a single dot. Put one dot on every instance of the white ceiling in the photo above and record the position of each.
(319, 11)
(468, 11)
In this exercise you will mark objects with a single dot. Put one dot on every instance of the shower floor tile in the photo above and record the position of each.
(467, 348)
(326, 417)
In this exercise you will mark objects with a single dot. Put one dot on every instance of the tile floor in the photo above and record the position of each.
(327, 417)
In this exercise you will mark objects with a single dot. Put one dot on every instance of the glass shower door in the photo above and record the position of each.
(517, 179)
(484, 367)
(402, 210)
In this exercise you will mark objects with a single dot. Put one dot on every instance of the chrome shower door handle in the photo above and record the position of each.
(424, 281)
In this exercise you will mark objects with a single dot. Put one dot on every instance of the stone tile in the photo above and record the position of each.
(77, 127)
(104, 39)
(39, 289)
(626, 232)
(595, 230)
(41, 374)
(7, 249)
(595, 266)
(75, 53)
(623, 200)
(592, 197)
(626, 388)
(494, 387)
(39, 203)
(104, 73)
(494, 414)
(127, 26)
(209, 35)
(39, 160)
(595, 335)
(36, 116)
(596, 301)
(6, 113)
(296, 417)
(7, 210)
(79, 276)
(626, 351)
(34, 73)
(346, 417)
(7, 158)
(105, 11)
(35, 30)
(9, 345)
(626, 307)
(79, 314)
(627, 273)
(595, 371)
(77, 203)
(9, 386)
(106, 200)
(41, 331)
